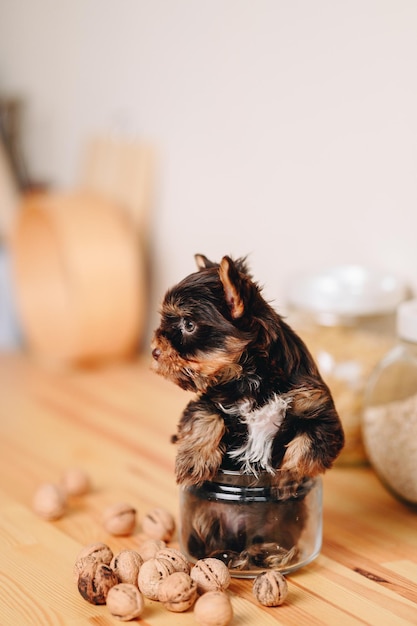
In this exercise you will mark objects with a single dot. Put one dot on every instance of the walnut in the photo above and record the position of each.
(270, 588)
(210, 575)
(119, 519)
(127, 564)
(95, 580)
(178, 592)
(93, 553)
(75, 482)
(151, 574)
(159, 524)
(213, 609)
(99, 552)
(176, 557)
(125, 602)
(149, 548)
(49, 501)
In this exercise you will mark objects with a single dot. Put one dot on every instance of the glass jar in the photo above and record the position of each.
(390, 414)
(346, 317)
(250, 524)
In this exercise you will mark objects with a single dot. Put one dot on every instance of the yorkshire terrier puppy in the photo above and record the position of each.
(261, 404)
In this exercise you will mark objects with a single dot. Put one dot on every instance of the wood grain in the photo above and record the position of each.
(116, 422)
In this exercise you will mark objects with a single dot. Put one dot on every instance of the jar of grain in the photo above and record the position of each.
(390, 414)
(346, 316)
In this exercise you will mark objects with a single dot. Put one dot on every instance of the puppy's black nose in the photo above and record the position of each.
(156, 353)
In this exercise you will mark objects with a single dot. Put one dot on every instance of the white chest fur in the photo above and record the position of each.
(263, 424)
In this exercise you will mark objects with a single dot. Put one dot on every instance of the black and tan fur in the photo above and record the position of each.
(260, 401)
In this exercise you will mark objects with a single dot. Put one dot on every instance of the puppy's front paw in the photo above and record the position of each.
(200, 450)
(301, 459)
(193, 468)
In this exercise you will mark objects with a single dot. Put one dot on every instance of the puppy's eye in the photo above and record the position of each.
(188, 326)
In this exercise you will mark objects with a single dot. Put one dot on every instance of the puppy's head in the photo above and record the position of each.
(201, 339)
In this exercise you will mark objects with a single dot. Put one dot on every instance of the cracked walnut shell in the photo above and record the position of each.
(93, 553)
(213, 609)
(177, 558)
(125, 602)
(119, 519)
(49, 501)
(95, 581)
(159, 524)
(150, 548)
(210, 575)
(270, 588)
(151, 574)
(178, 592)
(127, 564)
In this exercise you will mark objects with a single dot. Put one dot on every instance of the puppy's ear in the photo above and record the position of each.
(232, 285)
(203, 262)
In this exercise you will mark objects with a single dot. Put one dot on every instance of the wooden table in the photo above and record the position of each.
(115, 422)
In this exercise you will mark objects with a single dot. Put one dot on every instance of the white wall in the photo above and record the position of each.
(285, 129)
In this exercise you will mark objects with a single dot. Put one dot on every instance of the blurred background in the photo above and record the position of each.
(286, 131)
(135, 134)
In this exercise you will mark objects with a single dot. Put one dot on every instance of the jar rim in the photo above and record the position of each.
(258, 479)
(235, 485)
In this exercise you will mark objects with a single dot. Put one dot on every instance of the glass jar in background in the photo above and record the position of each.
(250, 524)
(390, 413)
(346, 316)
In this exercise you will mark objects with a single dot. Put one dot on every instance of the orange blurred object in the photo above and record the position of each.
(79, 278)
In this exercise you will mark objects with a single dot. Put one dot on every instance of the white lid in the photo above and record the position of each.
(407, 320)
(347, 290)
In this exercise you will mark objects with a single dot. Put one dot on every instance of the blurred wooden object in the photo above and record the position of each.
(120, 170)
(9, 195)
(115, 423)
(81, 259)
(11, 124)
(79, 278)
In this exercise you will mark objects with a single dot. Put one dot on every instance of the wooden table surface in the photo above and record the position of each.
(115, 422)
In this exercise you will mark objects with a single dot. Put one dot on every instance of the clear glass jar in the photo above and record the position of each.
(390, 414)
(251, 525)
(346, 316)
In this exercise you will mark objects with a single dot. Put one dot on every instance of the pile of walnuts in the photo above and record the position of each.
(163, 574)
(154, 571)
(157, 572)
